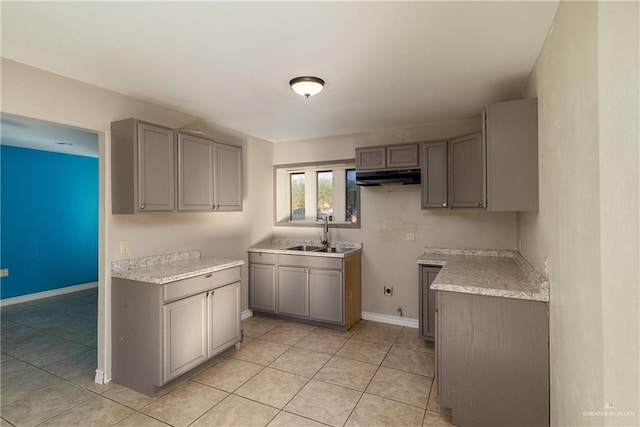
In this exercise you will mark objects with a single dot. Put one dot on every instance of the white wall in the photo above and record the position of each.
(34, 93)
(586, 81)
(388, 213)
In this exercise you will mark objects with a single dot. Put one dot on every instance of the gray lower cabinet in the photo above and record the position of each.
(293, 291)
(492, 360)
(322, 289)
(467, 174)
(160, 332)
(143, 166)
(427, 310)
(262, 286)
(325, 295)
(185, 335)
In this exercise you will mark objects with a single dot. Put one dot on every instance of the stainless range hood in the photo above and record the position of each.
(373, 178)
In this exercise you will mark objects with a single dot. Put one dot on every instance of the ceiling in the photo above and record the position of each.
(386, 64)
(38, 135)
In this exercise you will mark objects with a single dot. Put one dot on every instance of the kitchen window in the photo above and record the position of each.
(306, 193)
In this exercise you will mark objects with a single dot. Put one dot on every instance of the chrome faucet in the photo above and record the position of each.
(325, 239)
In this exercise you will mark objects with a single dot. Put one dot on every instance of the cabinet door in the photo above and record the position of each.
(227, 191)
(195, 173)
(293, 291)
(512, 155)
(427, 317)
(224, 318)
(185, 335)
(326, 295)
(262, 287)
(467, 183)
(402, 156)
(371, 158)
(435, 180)
(156, 168)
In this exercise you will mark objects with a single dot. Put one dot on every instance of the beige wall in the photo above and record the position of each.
(388, 213)
(34, 93)
(586, 81)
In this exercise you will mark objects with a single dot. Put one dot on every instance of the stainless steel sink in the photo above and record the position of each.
(334, 250)
(305, 248)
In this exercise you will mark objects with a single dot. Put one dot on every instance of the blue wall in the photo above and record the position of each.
(49, 220)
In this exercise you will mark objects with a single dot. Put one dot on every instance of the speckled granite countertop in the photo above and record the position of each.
(280, 246)
(500, 273)
(167, 268)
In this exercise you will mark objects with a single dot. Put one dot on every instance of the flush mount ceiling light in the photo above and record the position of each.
(307, 86)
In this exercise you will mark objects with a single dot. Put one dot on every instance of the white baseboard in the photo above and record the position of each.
(392, 320)
(246, 314)
(47, 294)
(99, 378)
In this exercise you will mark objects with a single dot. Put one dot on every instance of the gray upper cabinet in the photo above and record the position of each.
(143, 167)
(467, 173)
(387, 157)
(227, 191)
(435, 175)
(402, 156)
(511, 132)
(195, 173)
(371, 158)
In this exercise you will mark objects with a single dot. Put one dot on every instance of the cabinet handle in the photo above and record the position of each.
(141, 207)
(208, 275)
(444, 205)
(479, 203)
(215, 207)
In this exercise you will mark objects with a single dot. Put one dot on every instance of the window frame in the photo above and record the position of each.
(329, 165)
(291, 175)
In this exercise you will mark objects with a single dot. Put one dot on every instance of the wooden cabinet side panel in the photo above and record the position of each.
(467, 173)
(123, 167)
(195, 173)
(494, 360)
(227, 193)
(353, 289)
(136, 334)
(435, 174)
(427, 302)
(512, 155)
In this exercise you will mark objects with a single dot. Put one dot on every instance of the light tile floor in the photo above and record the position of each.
(285, 374)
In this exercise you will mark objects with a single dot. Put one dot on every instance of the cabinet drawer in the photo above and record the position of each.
(262, 258)
(194, 285)
(310, 261)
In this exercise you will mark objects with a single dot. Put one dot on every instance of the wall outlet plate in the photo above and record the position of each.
(4, 272)
(124, 247)
(388, 291)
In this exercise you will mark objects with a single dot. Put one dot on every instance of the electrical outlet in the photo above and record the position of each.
(410, 237)
(388, 291)
(124, 247)
(4, 272)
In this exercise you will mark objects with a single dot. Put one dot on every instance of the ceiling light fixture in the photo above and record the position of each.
(306, 85)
